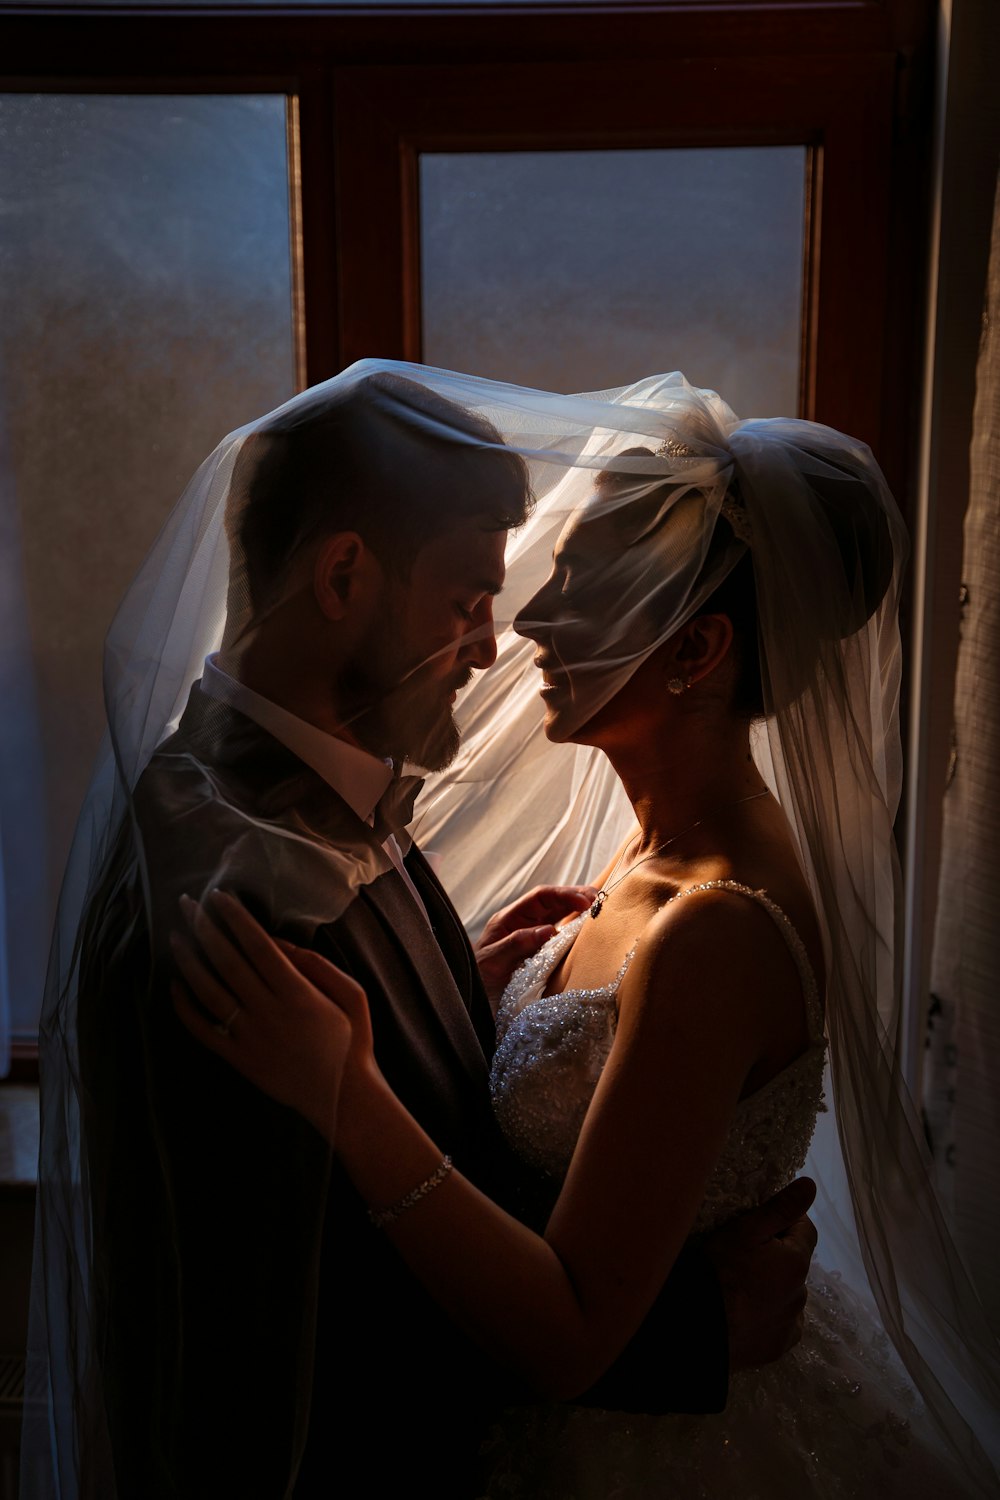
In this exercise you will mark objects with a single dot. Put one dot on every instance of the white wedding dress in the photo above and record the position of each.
(837, 1417)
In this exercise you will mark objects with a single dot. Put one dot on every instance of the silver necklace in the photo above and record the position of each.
(609, 885)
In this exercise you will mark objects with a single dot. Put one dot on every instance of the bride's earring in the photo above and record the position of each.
(677, 685)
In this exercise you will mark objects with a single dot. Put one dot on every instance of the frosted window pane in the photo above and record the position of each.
(583, 270)
(145, 310)
(310, 4)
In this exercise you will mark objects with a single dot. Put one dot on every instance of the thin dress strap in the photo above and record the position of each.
(797, 948)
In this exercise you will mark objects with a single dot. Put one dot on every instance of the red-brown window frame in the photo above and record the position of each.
(386, 117)
(374, 86)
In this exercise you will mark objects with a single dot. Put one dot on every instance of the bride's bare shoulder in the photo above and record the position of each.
(746, 907)
(707, 912)
(716, 948)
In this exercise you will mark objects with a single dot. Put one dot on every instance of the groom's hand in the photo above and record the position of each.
(762, 1260)
(518, 931)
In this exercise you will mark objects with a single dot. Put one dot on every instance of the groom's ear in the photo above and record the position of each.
(344, 569)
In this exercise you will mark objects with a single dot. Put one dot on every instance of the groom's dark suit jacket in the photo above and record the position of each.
(247, 1310)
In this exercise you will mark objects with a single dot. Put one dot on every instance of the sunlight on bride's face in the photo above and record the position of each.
(589, 620)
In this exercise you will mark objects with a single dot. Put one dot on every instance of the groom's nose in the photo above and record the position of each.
(479, 646)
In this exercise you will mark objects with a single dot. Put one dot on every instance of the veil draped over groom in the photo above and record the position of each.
(510, 811)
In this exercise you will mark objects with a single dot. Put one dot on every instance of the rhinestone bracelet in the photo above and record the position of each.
(383, 1217)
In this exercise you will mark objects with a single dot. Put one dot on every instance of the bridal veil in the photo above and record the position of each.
(691, 492)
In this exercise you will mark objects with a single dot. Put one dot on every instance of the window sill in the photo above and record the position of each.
(23, 1064)
(19, 1131)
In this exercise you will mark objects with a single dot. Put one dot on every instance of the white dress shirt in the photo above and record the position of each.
(354, 774)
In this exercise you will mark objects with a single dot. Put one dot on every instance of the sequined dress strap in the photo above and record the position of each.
(797, 948)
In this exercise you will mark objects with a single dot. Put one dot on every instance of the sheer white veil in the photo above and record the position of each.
(828, 549)
(687, 490)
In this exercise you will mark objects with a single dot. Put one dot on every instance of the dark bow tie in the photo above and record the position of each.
(394, 809)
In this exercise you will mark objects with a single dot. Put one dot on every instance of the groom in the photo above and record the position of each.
(257, 1336)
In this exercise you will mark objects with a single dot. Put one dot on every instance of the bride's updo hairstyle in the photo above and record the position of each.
(845, 504)
(849, 507)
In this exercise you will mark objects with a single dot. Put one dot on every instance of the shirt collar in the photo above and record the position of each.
(354, 774)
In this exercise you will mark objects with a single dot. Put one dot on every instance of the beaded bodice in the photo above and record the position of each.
(551, 1050)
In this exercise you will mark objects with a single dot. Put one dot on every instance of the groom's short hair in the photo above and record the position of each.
(386, 457)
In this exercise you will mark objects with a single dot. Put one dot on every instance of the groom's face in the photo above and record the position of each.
(434, 631)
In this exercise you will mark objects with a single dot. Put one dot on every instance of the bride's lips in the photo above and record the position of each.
(550, 674)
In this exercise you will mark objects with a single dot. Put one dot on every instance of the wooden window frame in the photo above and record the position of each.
(375, 85)
(387, 117)
(817, 72)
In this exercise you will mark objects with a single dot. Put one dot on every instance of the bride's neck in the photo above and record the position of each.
(678, 779)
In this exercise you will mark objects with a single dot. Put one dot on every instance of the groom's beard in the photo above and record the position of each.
(418, 718)
(396, 709)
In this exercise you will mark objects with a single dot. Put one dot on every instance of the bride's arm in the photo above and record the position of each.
(556, 1309)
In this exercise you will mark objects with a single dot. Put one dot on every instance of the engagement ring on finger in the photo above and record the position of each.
(222, 1027)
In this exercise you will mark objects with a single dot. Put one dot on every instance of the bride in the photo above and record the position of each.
(718, 638)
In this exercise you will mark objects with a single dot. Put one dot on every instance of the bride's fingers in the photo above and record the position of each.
(224, 954)
(331, 981)
(208, 990)
(263, 952)
(209, 1033)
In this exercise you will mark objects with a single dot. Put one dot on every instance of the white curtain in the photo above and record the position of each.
(963, 1079)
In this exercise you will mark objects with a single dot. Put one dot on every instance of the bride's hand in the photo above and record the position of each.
(266, 1009)
(519, 930)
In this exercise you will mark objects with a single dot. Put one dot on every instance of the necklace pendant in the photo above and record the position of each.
(598, 902)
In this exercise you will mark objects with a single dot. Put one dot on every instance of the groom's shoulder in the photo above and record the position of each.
(222, 803)
(215, 769)
(190, 809)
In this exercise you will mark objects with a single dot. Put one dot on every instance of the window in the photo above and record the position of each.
(146, 308)
(212, 210)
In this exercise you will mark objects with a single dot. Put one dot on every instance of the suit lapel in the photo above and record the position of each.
(444, 920)
(433, 979)
(454, 943)
(277, 786)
